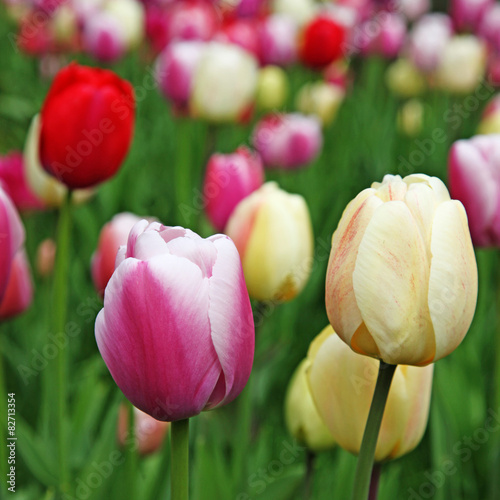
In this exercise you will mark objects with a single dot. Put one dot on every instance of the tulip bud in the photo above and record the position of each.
(404, 79)
(467, 14)
(45, 257)
(302, 419)
(321, 42)
(225, 82)
(96, 135)
(229, 179)
(176, 330)
(113, 235)
(490, 119)
(272, 231)
(301, 11)
(289, 140)
(401, 283)
(241, 32)
(473, 175)
(149, 433)
(19, 292)
(342, 385)
(192, 20)
(44, 186)
(272, 88)
(278, 39)
(131, 17)
(467, 53)
(104, 37)
(411, 117)
(65, 23)
(489, 26)
(321, 99)
(413, 9)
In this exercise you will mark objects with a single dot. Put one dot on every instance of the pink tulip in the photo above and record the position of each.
(467, 14)
(289, 140)
(156, 27)
(489, 27)
(250, 8)
(192, 20)
(413, 9)
(241, 32)
(104, 37)
(229, 179)
(474, 177)
(19, 292)
(176, 330)
(388, 37)
(13, 179)
(113, 235)
(175, 68)
(278, 40)
(493, 69)
(11, 238)
(149, 432)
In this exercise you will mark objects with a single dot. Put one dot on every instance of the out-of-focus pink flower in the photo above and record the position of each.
(385, 38)
(278, 39)
(11, 238)
(45, 257)
(228, 179)
(19, 292)
(113, 235)
(428, 40)
(413, 9)
(493, 69)
(338, 74)
(251, 8)
(13, 179)
(474, 177)
(149, 432)
(103, 37)
(176, 330)
(467, 14)
(192, 20)
(489, 27)
(156, 27)
(175, 68)
(242, 32)
(289, 140)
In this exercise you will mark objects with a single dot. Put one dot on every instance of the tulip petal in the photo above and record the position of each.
(341, 307)
(160, 369)
(453, 277)
(199, 251)
(231, 320)
(390, 283)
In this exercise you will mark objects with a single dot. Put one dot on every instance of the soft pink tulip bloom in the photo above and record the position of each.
(288, 141)
(467, 14)
(474, 177)
(228, 179)
(175, 68)
(149, 432)
(413, 9)
(13, 180)
(19, 292)
(192, 20)
(11, 238)
(489, 27)
(176, 330)
(104, 37)
(113, 235)
(387, 38)
(493, 69)
(278, 40)
(428, 39)
(241, 32)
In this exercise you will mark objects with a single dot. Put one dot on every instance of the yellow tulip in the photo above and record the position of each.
(302, 419)
(272, 88)
(401, 283)
(272, 231)
(342, 385)
(322, 99)
(404, 79)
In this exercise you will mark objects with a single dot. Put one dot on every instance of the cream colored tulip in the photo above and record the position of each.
(131, 16)
(47, 188)
(410, 117)
(401, 283)
(272, 231)
(301, 11)
(322, 99)
(301, 416)
(404, 79)
(342, 385)
(272, 88)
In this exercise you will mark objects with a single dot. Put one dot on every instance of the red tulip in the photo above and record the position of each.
(87, 125)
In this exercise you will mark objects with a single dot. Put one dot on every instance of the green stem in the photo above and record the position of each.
(183, 194)
(180, 460)
(161, 471)
(3, 424)
(131, 451)
(368, 445)
(374, 481)
(60, 305)
(308, 483)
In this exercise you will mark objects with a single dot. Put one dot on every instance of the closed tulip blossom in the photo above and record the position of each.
(113, 235)
(288, 140)
(322, 99)
(301, 416)
(489, 27)
(104, 37)
(192, 20)
(401, 283)
(467, 14)
(272, 88)
(96, 135)
(176, 330)
(228, 179)
(278, 40)
(342, 385)
(490, 119)
(272, 231)
(473, 167)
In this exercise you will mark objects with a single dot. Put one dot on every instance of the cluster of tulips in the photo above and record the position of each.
(176, 329)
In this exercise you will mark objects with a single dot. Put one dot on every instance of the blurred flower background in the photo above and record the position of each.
(262, 120)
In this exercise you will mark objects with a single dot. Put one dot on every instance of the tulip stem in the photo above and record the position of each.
(180, 460)
(374, 482)
(368, 445)
(60, 294)
(308, 485)
(131, 450)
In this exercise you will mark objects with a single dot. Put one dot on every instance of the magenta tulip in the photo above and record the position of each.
(229, 179)
(474, 177)
(104, 37)
(176, 330)
(467, 14)
(288, 141)
(278, 40)
(11, 238)
(489, 27)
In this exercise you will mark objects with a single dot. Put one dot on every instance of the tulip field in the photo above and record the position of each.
(177, 321)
